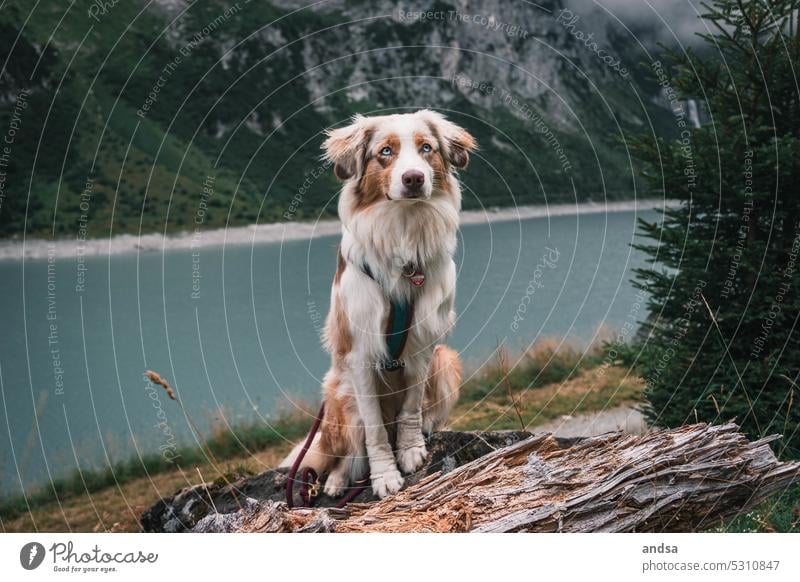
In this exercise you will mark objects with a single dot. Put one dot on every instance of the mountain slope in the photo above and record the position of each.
(170, 115)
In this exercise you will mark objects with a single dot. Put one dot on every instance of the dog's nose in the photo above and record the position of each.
(413, 180)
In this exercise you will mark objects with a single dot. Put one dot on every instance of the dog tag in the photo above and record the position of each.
(417, 279)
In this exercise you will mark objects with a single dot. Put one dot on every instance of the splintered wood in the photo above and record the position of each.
(684, 479)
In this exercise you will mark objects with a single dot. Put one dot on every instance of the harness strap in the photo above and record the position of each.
(398, 326)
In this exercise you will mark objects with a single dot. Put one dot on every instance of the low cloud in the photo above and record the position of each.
(669, 22)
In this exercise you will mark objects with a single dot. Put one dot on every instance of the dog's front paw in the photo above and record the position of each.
(387, 483)
(335, 484)
(411, 458)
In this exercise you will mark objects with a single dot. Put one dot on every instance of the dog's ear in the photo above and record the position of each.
(346, 147)
(455, 142)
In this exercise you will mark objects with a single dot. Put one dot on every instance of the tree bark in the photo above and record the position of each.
(685, 479)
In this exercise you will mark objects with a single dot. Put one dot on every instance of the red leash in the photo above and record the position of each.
(309, 479)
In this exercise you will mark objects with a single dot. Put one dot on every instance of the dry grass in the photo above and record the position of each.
(590, 390)
(116, 509)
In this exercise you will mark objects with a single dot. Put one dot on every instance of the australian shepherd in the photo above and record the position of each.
(399, 207)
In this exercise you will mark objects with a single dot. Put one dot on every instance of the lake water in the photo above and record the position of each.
(71, 360)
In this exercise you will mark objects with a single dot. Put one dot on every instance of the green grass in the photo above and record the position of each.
(779, 513)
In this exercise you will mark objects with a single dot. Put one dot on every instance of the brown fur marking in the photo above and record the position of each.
(441, 177)
(341, 265)
(345, 146)
(374, 184)
(340, 338)
(458, 146)
(334, 440)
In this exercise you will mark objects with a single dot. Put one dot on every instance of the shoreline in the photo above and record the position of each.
(258, 234)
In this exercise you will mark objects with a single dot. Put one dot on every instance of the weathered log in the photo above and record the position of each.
(685, 479)
(182, 511)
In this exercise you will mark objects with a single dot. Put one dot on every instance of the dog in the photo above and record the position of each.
(399, 208)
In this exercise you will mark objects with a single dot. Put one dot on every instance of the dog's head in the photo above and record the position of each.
(398, 157)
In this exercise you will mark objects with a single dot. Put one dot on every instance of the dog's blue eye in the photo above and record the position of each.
(387, 151)
(426, 147)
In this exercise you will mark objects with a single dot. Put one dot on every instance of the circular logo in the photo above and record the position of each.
(31, 555)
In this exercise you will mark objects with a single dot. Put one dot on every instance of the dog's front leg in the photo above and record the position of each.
(411, 451)
(386, 479)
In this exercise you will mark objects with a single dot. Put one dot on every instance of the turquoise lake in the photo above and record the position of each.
(243, 337)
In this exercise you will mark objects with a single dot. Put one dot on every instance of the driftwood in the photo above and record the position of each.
(685, 479)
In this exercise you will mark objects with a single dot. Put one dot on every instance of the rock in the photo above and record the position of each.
(219, 507)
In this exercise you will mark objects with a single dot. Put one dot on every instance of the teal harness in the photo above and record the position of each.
(401, 313)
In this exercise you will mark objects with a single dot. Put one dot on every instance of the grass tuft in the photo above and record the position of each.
(546, 362)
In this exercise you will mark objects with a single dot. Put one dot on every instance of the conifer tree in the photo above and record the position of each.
(724, 278)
